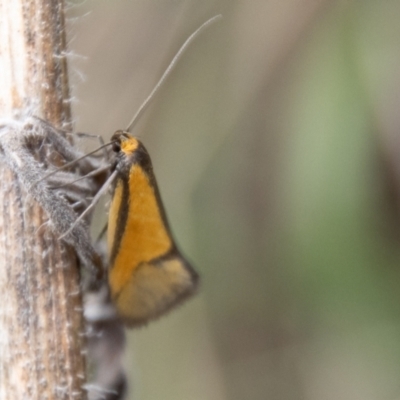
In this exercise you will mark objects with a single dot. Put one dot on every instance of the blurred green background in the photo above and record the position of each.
(275, 143)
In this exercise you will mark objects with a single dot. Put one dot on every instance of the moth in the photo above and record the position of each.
(147, 274)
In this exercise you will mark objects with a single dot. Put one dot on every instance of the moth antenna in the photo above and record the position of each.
(170, 67)
(99, 138)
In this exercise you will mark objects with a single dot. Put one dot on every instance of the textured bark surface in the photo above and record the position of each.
(41, 324)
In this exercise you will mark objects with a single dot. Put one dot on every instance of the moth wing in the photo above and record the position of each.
(154, 288)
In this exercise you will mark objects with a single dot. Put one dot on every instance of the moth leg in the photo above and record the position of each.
(99, 138)
(30, 148)
(58, 138)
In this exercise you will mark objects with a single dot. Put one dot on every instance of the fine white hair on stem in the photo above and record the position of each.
(170, 67)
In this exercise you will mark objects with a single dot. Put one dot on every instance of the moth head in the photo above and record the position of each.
(124, 142)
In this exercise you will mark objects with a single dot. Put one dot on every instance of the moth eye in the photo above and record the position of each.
(116, 147)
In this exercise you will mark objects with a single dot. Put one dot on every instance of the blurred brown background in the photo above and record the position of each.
(276, 144)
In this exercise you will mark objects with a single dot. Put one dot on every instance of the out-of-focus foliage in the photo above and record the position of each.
(276, 143)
